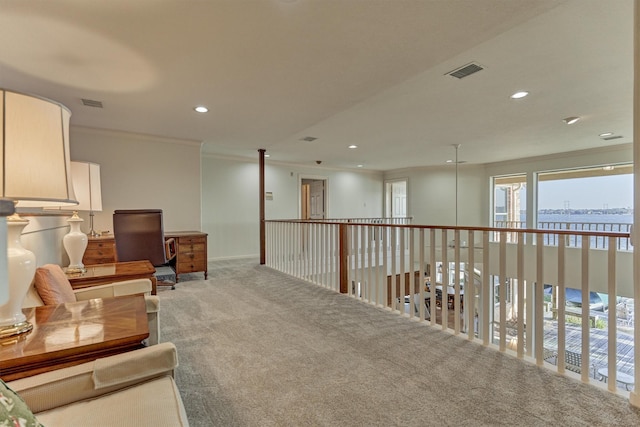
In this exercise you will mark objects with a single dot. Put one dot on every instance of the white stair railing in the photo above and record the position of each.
(487, 284)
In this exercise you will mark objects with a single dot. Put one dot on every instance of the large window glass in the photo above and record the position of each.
(587, 199)
(510, 201)
(598, 199)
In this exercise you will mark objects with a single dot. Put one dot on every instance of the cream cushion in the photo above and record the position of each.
(153, 403)
(134, 388)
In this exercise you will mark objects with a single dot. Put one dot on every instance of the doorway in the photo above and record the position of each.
(313, 198)
(395, 205)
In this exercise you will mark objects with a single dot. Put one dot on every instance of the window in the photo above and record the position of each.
(593, 199)
(509, 201)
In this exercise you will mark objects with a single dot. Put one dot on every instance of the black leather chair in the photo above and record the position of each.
(139, 235)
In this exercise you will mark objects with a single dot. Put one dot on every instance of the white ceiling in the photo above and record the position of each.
(370, 73)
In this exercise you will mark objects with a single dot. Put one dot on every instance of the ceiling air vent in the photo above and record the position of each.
(609, 138)
(309, 138)
(91, 103)
(465, 70)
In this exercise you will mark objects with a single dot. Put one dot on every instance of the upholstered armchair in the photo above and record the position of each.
(51, 286)
(135, 388)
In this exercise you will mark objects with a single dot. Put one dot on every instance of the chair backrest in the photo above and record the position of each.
(573, 361)
(139, 235)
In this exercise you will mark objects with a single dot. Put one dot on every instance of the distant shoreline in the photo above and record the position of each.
(612, 211)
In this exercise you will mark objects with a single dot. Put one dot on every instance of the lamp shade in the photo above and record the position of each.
(86, 185)
(34, 151)
(35, 170)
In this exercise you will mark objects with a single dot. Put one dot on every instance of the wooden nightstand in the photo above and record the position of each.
(191, 252)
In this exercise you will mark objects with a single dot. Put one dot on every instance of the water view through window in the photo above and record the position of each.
(602, 195)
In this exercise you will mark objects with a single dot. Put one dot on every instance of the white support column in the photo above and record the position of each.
(634, 397)
(502, 291)
(470, 288)
(487, 297)
(538, 331)
(521, 295)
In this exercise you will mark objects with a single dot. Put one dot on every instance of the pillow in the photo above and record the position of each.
(14, 410)
(53, 286)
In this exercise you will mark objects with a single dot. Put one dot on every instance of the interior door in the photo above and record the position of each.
(316, 197)
(396, 199)
(313, 199)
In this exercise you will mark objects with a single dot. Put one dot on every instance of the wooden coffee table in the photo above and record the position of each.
(73, 333)
(100, 274)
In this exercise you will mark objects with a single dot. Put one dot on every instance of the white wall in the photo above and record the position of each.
(350, 193)
(142, 172)
(577, 159)
(230, 199)
(431, 190)
(43, 236)
(136, 172)
(220, 195)
(431, 194)
(230, 213)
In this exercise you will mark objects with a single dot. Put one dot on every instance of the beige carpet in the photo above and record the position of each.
(258, 348)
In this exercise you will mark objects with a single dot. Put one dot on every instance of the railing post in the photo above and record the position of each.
(343, 258)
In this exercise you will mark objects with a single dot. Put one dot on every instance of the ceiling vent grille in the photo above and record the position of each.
(609, 138)
(465, 70)
(91, 103)
(309, 138)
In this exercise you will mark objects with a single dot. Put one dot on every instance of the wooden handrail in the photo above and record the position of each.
(463, 228)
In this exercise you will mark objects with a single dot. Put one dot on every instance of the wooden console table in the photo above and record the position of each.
(101, 274)
(73, 333)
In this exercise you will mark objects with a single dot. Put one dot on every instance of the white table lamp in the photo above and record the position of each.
(75, 243)
(88, 190)
(35, 171)
(6, 208)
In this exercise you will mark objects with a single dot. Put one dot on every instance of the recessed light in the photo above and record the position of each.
(605, 134)
(201, 109)
(449, 161)
(353, 146)
(571, 120)
(608, 168)
(267, 155)
(519, 95)
(308, 139)
(360, 166)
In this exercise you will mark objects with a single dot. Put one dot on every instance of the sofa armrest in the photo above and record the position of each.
(88, 380)
(116, 289)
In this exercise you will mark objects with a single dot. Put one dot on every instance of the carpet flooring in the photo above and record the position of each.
(259, 348)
